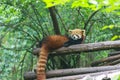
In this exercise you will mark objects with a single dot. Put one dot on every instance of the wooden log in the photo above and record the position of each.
(66, 72)
(30, 76)
(108, 59)
(114, 62)
(85, 47)
(114, 53)
(102, 75)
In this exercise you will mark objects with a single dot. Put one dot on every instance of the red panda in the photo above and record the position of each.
(51, 43)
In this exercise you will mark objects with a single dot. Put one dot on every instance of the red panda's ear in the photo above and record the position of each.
(70, 31)
(83, 31)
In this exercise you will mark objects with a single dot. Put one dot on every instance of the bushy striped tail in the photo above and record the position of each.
(41, 64)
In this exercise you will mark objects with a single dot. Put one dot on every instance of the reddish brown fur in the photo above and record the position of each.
(50, 43)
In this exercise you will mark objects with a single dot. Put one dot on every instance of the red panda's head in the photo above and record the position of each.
(76, 34)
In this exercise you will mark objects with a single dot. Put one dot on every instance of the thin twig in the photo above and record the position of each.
(89, 18)
(91, 25)
(61, 20)
(79, 12)
(44, 34)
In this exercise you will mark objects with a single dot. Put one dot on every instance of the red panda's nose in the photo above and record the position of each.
(76, 37)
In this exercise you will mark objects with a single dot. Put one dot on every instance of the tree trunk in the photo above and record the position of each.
(54, 20)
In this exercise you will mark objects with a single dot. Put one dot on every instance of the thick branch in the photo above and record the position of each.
(66, 72)
(85, 47)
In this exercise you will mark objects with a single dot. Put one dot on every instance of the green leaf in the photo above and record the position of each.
(86, 4)
(114, 37)
(111, 26)
(108, 27)
(104, 27)
(50, 3)
(80, 3)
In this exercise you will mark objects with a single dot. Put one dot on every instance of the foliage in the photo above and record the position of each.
(111, 27)
(25, 22)
(51, 3)
(92, 4)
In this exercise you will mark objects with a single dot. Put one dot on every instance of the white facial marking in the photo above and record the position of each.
(75, 37)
